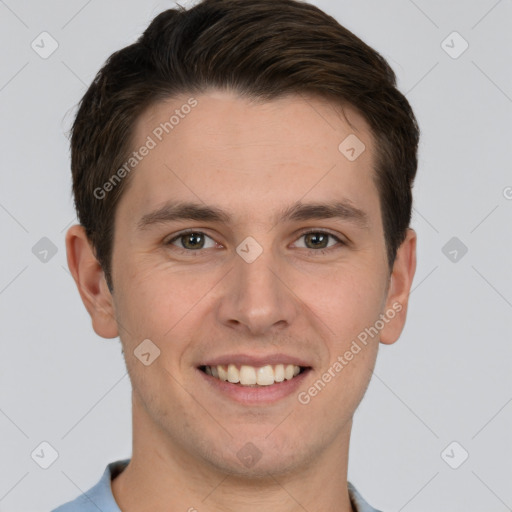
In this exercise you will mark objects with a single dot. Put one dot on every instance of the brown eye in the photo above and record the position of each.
(191, 241)
(317, 240)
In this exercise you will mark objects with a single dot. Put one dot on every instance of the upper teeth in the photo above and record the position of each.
(251, 375)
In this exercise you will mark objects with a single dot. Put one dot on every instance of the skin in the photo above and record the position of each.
(251, 160)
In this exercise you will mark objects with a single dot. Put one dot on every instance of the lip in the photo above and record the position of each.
(262, 395)
(257, 361)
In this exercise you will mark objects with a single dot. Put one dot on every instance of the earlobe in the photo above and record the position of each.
(399, 289)
(90, 281)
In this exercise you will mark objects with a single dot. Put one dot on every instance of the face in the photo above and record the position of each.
(278, 259)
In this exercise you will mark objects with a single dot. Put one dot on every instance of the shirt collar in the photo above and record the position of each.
(102, 491)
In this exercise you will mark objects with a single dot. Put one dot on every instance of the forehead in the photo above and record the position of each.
(222, 149)
(228, 119)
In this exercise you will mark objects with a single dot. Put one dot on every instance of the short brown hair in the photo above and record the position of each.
(262, 49)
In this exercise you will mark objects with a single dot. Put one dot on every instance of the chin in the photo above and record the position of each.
(260, 458)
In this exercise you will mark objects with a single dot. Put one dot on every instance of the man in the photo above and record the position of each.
(242, 176)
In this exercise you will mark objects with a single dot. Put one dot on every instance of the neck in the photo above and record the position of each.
(162, 476)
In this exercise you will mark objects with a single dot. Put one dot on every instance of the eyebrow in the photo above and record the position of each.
(177, 211)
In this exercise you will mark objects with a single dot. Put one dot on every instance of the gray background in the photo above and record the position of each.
(447, 379)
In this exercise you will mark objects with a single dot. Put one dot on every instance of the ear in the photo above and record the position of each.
(90, 281)
(399, 289)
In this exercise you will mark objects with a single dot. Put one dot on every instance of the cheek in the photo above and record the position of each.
(143, 303)
(155, 301)
(348, 303)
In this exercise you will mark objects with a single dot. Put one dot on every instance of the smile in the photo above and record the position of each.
(253, 376)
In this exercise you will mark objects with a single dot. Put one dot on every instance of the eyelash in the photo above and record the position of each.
(313, 251)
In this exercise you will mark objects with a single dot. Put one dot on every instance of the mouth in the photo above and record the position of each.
(254, 379)
(254, 376)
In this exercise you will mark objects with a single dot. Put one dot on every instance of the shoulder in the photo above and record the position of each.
(98, 497)
(358, 502)
(80, 504)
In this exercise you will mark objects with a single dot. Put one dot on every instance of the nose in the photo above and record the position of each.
(256, 299)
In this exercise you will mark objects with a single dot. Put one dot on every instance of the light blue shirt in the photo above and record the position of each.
(100, 496)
